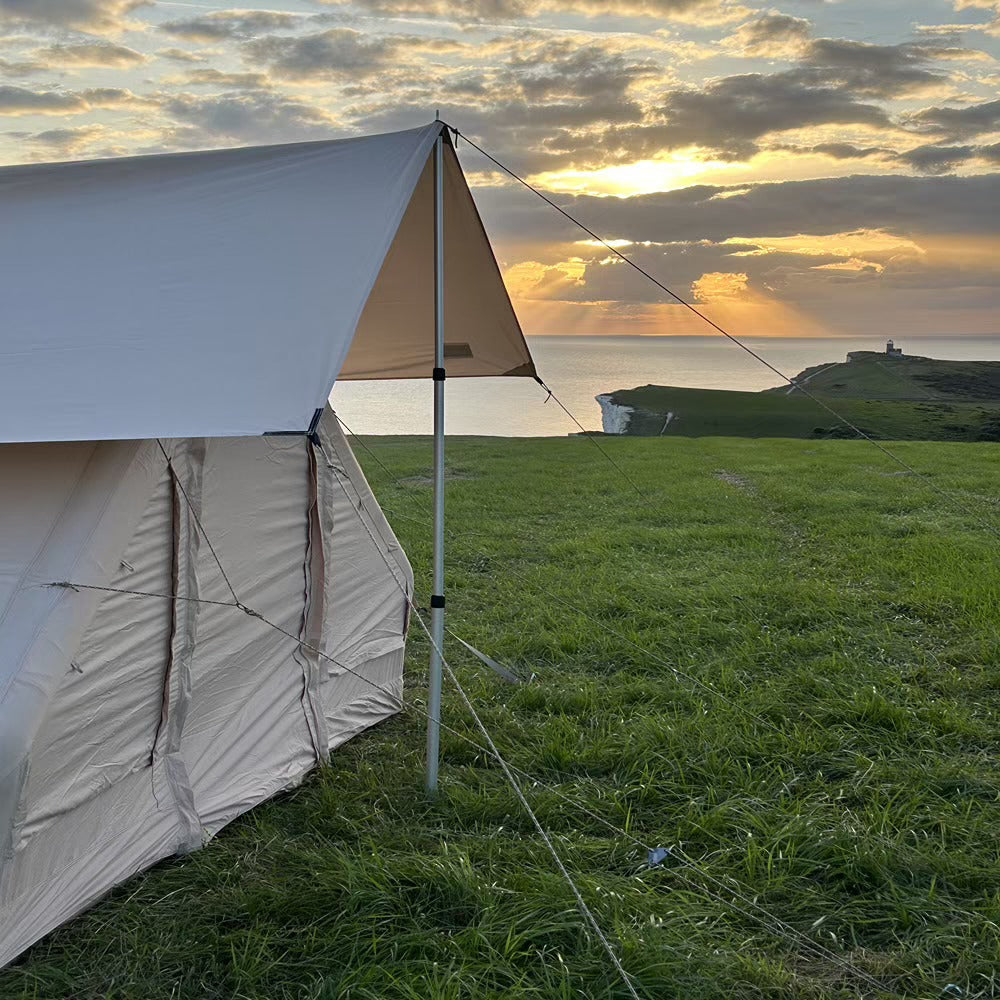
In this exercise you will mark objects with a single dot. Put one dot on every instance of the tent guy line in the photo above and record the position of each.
(948, 494)
(590, 437)
(197, 520)
(679, 674)
(764, 917)
(749, 908)
(807, 942)
(588, 915)
(676, 671)
(650, 851)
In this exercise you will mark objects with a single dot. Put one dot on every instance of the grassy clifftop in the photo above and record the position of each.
(669, 410)
(874, 376)
(890, 398)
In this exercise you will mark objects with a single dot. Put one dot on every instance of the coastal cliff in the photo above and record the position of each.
(918, 399)
(615, 417)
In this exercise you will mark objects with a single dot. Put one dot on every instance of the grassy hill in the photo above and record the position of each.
(907, 399)
(844, 771)
(703, 412)
(874, 376)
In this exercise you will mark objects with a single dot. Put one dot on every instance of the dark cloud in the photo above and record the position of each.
(897, 204)
(254, 116)
(729, 115)
(20, 67)
(88, 54)
(560, 70)
(216, 78)
(224, 24)
(846, 151)
(59, 143)
(886, 71)
(932, 159)
(709, 11)
(469, 10)
(21, 101)
(89, 15)
(578, 109)
(182, 56)
(959, 123)
(333, 54)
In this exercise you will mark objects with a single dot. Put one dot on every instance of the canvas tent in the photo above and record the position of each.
(173, 326)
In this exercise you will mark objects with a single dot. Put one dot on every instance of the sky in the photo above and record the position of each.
(811, 168)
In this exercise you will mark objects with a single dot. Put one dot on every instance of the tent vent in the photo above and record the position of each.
(456, 350)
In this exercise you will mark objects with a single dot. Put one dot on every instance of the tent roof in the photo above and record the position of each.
(218, 293)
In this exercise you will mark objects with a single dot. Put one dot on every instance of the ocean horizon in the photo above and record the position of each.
(578, 368)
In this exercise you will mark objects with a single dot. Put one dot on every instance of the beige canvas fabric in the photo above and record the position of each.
(395, 335)
(132, 728)
(247, 276)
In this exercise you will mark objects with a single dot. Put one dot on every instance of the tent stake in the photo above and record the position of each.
(437, 594)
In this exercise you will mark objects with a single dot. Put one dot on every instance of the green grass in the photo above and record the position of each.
(875, 376)
(809, 583)
(721, 412)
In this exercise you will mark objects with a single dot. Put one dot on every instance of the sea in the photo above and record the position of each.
(579, 368)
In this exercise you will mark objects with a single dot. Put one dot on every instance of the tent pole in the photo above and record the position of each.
(437, 595)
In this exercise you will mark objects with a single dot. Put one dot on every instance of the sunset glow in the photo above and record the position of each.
(841, 157)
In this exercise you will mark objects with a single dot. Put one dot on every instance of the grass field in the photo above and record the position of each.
(846, 774)
(721, 412)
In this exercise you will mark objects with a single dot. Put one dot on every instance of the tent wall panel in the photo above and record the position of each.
(103, 495)
(102, 719)
(198, 711)
(353, 705)
(395, 335)
(72, 864)
(368, 570)
(246, 734)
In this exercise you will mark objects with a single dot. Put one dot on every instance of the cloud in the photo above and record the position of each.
(88, 54)
(898, 204)
(337, 53)
(720, 285)
(959, 123)
(87, 15)
(224, 24)
(183, 56)
(771, 36)
(60, 143)
(252, 117)
(729, 115)
(846, 151)
(21, 101)
(564, 69)
(701, 12)
(470, 10)
(887, 71)
(932, 159)
(209, 77)
(22, 67)
(990, 27)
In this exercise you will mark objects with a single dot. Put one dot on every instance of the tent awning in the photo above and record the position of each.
(223, 292)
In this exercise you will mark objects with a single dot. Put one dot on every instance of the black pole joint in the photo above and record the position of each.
(438, 374)
(437, 600)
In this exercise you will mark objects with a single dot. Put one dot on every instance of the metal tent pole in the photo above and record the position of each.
(437, 595)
